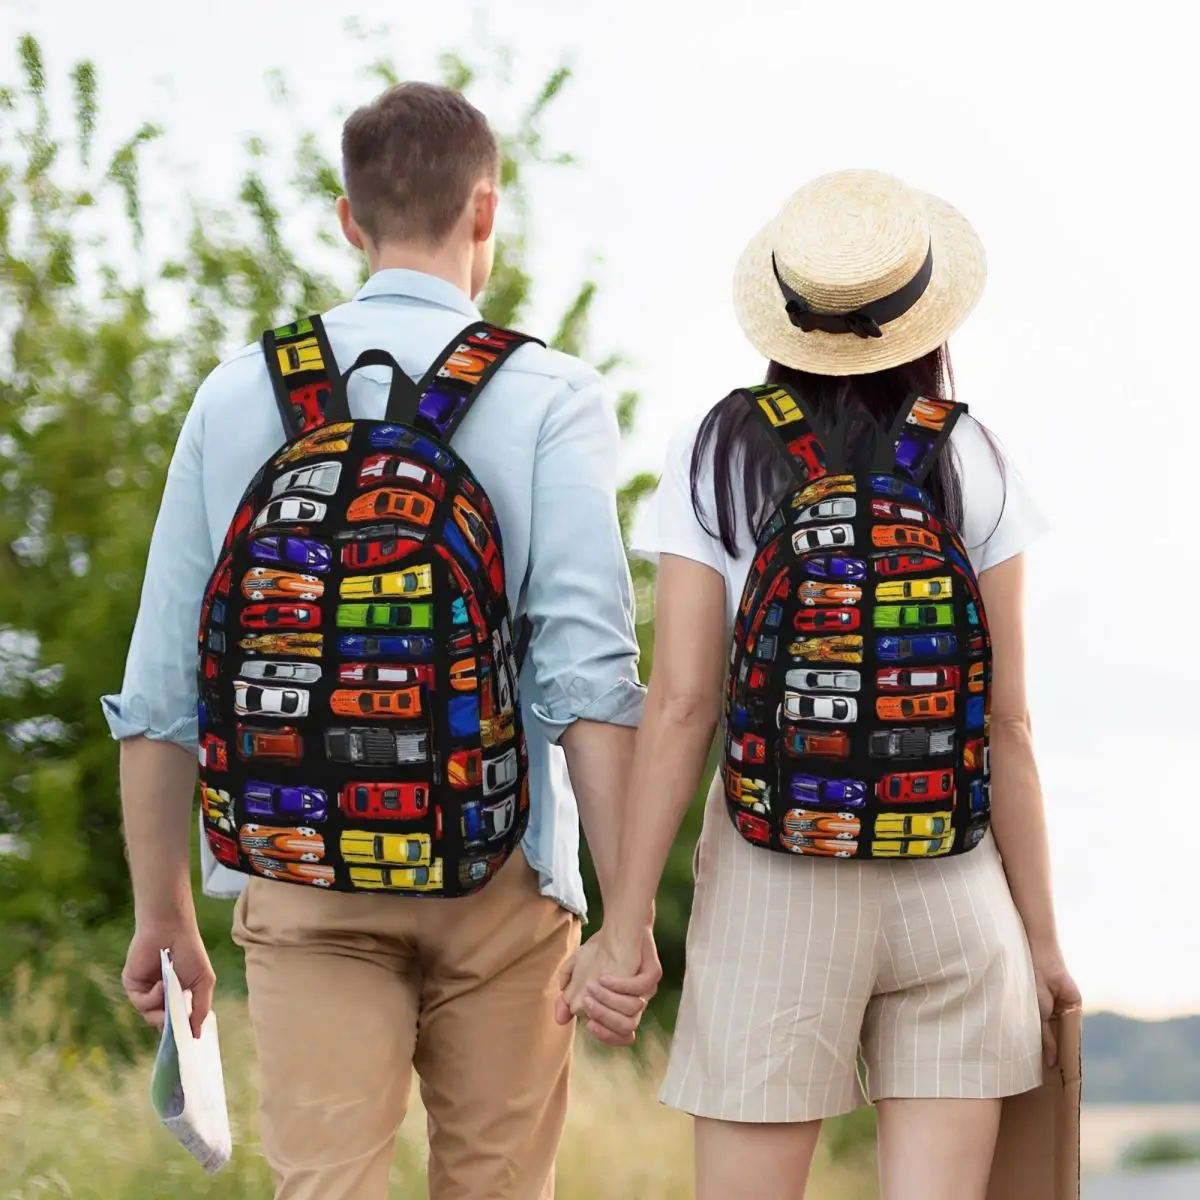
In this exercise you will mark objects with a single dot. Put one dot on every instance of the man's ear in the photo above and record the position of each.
(350, 229)
(487, 199)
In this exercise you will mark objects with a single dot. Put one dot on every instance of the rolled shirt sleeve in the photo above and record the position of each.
(158, 694)
(579, 595)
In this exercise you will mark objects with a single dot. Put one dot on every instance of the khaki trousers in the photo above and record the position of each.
(349, 993)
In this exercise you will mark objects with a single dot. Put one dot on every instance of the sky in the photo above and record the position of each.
(1063, 134)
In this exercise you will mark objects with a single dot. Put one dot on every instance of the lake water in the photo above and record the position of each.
(1105, 1130)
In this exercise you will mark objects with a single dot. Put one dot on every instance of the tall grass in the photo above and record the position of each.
(77, 1123)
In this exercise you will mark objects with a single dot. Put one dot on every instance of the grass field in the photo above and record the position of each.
(74, 1124)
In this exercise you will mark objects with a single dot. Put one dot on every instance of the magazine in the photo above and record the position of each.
(187, 1087)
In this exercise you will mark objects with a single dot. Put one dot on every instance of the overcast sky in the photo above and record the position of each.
(1066, 136)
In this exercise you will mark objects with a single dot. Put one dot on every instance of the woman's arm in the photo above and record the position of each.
(683, 703)
(1018, 814)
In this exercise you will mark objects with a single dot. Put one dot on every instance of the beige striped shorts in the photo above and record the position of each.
(796, 965)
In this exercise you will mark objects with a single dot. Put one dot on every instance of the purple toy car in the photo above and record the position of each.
(397, 437)
(292, 551)
(808, 789)
(440, 407)
(911, 451)
(835, 566)
(271, 800)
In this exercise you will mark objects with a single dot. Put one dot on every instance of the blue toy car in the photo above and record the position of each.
(407, 646)
(836, 566)
(981, 797)
(396, 437)
(975, 713)
(900, 489)
(464, 716)
(923, 645)
(294, 803)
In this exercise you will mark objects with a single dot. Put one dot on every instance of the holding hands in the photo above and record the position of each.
(608, 984)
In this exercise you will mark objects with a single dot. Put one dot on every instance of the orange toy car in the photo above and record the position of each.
(391, 502)
(904, 535)
(915, 708)
(355, 702)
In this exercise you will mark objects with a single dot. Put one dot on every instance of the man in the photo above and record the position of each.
(348, 992)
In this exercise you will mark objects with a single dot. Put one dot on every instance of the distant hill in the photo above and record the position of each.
(1140, 1062)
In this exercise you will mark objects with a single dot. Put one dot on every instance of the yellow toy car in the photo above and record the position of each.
(914, 589)
(415, 581)
(904, 825)
(830, 485)
(780, 408)
(399, 879)
(328, 439)
(911, 847)
(218, 807)
(846, 648)
(402, 849)
(308, 645)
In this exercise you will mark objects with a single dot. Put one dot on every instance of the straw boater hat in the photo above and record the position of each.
(858, 272)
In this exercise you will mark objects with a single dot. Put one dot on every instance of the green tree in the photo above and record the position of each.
(93, 386)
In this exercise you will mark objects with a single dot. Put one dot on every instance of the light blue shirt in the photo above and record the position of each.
(543, 441)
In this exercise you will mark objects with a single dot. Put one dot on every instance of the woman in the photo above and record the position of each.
(941, 971)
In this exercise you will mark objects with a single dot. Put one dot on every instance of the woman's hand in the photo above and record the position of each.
(1056, 993)
(610, 986)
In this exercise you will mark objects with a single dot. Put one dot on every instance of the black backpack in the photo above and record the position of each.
(858, 698)
(359, 722)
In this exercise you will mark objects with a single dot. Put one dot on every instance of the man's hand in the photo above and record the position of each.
(610, 988)
(142, 977)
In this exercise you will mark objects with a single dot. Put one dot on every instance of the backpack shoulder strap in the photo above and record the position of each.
(304, 376)
(462, 370)
(779, 409)
(921, 429)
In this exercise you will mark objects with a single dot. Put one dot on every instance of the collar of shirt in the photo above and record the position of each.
(399, 283)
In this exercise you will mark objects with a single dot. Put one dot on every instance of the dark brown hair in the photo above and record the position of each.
(410, 159)
(862, 407)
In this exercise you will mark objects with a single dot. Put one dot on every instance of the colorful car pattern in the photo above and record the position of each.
(360, 727)
(869, 738)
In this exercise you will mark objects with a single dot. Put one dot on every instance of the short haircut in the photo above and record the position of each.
(410, 159)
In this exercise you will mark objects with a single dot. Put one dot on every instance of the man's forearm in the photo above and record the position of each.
(598, 758)
(157, 781)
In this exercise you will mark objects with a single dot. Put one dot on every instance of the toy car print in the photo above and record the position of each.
(847, 648)
(828, 485)
(411, 507)
(406, 646)
(916, 679)
(902, 825)
(398, 703)
(801, 706)
(837, 508)
(217, 806)
(415, 581)
(910, 743)
(328, 439)
(900, 489)
(809, 822)
(224, 849)
(403, 849)
(280, 744)
(252, 699)
(307, 645)
(292, 871)
(975, 677)
(823, 745)
(396, 437)
(476, 533)
(749, 748)
(976, 712)
(280, 616)
(264, 583)
(387, 468)
(822, 535)
(474, 872)
(293, 672)
(753, 827)
(373, 747)
(385, 801)
(916, 786)
(905, 512)
(810, 789)
(904, 535)
(291, 510)
(294, 803)
(980, 797)
(974, 834)
(822, 846)
(465, 769)
(822, 681)
(902, 564)
(363, 673)
(321, 479)
(213, 753)
(975, 754)
(286, 550)
(215, 641)
(921, 645)
(300, 844)
(378, 551)
(811, 592)
(925, 707)
(384, 616)
(835, 566)
(399, 879)
(910, 616)
(911, 847)
(912, 449)
(486, 823)
(807, 449)
(914, 589)
(826, 620)
(499, 773)
(931, 414)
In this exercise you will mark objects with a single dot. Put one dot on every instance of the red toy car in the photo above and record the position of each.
(281, 616)
(907, 562)
(816, 621)
(224, 577)
(309, 404)
(212, 666)
(808, 450)
(903, 679)
(917, 786)
(244, 516)
(753, 827)
(385, 801)
(360, 555)
(224, 849)
(213, 753)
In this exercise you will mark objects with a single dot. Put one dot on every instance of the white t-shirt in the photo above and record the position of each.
(1000, 518)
